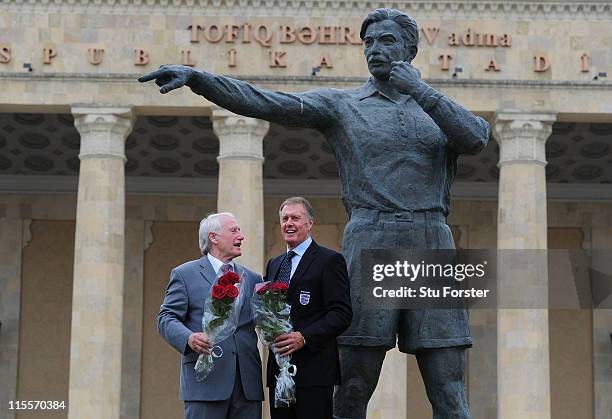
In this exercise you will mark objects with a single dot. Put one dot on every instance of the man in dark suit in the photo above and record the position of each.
(320, 311)
(233, 390)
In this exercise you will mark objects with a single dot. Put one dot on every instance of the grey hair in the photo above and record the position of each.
(298, 200)
(210, 224)
(410, 30)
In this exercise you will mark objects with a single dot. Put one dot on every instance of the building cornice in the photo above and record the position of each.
(330, 188)
(508, 9)
(321, 80)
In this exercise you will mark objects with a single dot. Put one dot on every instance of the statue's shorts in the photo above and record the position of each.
(413, 329)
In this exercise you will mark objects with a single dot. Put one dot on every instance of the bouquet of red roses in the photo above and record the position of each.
(271, 313)
(220, 319)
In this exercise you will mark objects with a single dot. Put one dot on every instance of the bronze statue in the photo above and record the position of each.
(396, 141)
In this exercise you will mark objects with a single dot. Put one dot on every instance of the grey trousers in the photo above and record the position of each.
(236, 407)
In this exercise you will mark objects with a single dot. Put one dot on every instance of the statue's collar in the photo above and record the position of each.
(369, 88)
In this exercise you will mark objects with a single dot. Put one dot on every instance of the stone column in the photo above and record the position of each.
(10, 300)
(97, 301)
(241, 179)
(523, 373)
(241, 187)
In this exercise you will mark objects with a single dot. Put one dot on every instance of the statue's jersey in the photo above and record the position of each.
(393, 154)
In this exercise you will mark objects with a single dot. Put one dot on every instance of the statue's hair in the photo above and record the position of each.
(210, 224)
(298, 200)
(410, 30)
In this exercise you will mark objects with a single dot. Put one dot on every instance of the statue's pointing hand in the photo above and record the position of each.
(405, 77)
(169, 77)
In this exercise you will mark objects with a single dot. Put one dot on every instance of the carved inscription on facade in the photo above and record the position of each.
(278, 37)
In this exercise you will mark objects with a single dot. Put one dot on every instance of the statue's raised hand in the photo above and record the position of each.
(169, 77)
(405, 77)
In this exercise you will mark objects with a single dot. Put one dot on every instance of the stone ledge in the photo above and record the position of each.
(318, 80)
(481, 191)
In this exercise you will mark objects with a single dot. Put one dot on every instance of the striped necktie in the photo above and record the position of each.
(225, 268)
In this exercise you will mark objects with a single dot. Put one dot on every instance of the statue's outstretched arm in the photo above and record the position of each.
(312, 109)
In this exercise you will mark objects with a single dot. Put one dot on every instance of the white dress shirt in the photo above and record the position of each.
(299, 250)
(216, 263)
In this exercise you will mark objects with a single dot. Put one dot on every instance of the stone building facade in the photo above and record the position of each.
(103, 181)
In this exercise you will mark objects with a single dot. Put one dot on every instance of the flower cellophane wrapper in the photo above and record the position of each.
(218, 327)
(272, 318)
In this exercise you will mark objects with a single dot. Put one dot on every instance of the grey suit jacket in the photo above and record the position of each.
(181, 314)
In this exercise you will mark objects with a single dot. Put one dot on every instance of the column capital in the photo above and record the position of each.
(522, 136)
(240, 137)
(103, 130)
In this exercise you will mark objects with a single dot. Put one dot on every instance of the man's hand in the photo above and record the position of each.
(288, 343)
(169, 77)
(405, 78)
(200, 343)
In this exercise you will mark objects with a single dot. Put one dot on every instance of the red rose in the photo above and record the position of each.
(224, 280)
(233, 276)
(279, 287)
(263, 289)
(218, 292)
(231, 291)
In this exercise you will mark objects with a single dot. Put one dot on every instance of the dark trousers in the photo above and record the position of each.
(311, 403)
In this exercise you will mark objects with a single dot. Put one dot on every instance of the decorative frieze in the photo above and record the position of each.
(594, 10)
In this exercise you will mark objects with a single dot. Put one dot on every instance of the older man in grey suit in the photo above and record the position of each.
(234, 387)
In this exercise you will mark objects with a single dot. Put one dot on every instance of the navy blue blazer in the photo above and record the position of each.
(319, 294)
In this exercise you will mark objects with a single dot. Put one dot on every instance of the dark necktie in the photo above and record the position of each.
(284, 274)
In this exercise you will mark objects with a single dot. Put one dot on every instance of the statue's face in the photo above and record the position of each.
(383, 44)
